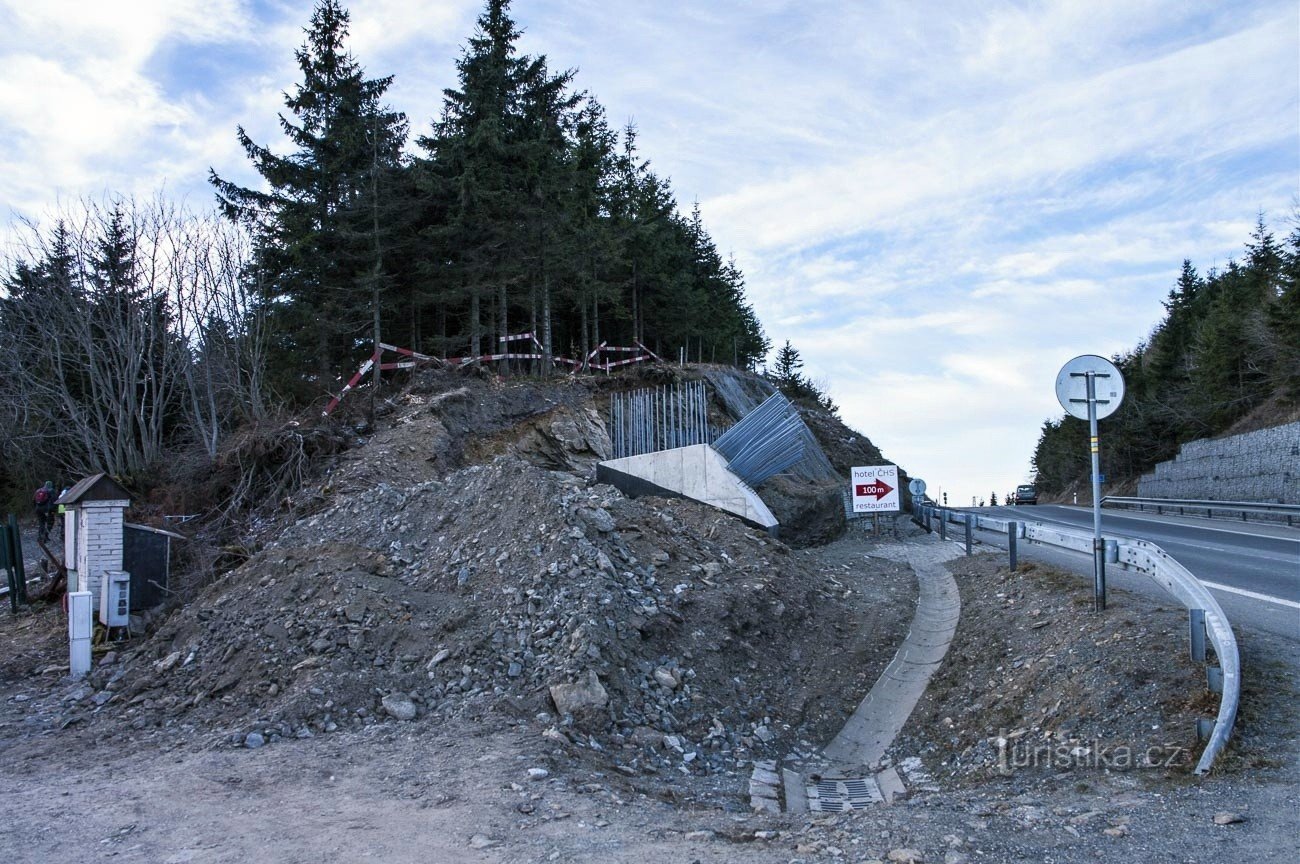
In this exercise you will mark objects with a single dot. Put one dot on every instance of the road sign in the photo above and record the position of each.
(875, 489)
(1090, 388)
(916, 487)
(1072, 386)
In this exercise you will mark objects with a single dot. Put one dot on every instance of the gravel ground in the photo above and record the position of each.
(497, 788)
(456, 653)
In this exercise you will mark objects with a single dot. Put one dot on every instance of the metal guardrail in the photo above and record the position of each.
(1206, 617)
(1184, 506)
(1146, 557)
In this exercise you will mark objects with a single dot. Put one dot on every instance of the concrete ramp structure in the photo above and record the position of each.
(698, 472)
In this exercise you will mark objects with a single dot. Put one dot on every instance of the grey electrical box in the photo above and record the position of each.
(115, 598)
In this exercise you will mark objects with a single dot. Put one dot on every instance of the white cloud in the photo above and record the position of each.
(937, 203)
(1191, 103)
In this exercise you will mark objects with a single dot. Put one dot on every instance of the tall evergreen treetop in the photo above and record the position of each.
(314, 223)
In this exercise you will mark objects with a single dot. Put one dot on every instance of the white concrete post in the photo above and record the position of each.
(79, 631)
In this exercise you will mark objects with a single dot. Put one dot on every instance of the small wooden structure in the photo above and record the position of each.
(93, 513)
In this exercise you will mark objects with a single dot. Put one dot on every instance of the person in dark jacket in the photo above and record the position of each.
(43, 500)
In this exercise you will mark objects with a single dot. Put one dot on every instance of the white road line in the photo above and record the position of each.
(1251, 594)
(1138, 515)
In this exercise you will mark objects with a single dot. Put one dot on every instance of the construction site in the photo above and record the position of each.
(623, 616)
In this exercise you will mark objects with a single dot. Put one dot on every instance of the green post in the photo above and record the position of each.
(16, 556)
(7, 561)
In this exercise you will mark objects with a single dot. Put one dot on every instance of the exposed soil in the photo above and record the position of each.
(1037, 681)
(452, 645)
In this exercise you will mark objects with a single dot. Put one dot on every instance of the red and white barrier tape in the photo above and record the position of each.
(489, 358)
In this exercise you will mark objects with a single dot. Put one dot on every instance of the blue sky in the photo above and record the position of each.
(938, 203)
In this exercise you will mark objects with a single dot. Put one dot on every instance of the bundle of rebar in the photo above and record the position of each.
(659, 418)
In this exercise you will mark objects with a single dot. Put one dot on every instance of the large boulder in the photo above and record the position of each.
(582, 699)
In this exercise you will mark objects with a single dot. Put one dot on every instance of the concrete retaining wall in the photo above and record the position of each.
(1259, 466)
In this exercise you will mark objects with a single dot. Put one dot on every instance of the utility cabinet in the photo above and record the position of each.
(115, 598)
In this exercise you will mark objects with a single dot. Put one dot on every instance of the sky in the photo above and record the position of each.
(938, 204)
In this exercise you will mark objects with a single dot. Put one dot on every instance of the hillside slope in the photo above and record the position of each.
(459, 561)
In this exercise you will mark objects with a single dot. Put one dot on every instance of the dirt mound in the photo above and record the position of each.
(459, 562)
(447, 419)
(1036, 683)
(693, 639)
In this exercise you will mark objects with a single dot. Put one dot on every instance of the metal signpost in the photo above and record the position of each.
(1091, 388)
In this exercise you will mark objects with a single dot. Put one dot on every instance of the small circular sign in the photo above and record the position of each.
(916, 486)
(1072, 386)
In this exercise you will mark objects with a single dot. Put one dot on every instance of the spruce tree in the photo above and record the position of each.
(475, 171)
(1284, 324)
(319, 249)
(785, 369)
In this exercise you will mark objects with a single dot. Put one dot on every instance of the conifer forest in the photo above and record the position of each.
(132, 329)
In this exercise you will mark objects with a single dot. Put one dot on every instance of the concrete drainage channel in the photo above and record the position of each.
(847, 778)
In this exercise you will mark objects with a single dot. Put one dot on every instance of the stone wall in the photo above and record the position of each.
(1259, 466)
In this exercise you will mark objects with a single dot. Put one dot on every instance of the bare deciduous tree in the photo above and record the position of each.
(122, 330)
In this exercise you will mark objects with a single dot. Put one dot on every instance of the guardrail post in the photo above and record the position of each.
(1214, 679)
(1013, 529)
(968, 533)
(1204, 728)
(943, 524)
(1196, 634)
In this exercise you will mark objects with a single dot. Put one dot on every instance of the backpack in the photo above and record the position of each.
(42, 497)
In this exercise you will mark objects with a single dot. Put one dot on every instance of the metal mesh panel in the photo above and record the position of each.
(768, 440)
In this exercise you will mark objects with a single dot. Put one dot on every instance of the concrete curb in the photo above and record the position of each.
(883, 712)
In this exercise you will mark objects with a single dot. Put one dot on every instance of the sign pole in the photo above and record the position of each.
(1076, 389)
(1098, 545)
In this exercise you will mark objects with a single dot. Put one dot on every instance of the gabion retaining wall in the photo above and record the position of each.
(1261, 466)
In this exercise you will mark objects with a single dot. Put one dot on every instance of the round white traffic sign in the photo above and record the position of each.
(1072, 386)
(916, 486)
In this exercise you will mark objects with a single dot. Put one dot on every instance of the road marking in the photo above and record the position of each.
(1219, 526)
(1251, 594)
(1160, 519)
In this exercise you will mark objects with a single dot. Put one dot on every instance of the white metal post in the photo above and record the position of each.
(79, 632)
(1098, 545)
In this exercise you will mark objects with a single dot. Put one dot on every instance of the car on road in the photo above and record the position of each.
(1026, 495)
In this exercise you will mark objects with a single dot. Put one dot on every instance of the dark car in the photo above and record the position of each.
(1026, 495)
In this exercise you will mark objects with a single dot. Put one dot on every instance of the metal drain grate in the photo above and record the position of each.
(831, 795)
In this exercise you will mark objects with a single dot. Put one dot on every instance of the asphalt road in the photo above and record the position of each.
(1252, 568)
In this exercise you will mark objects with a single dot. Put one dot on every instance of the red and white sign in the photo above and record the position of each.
(875, 489)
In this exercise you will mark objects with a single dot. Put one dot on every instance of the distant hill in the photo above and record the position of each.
(1225, 359)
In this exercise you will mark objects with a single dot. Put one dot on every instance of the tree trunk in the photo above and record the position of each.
(532, 323)
(636, 307)
(547, 347)
(476, 337)
(586, 347)
(503, 324)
